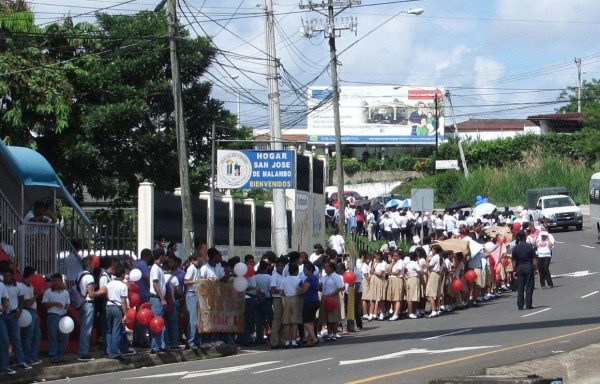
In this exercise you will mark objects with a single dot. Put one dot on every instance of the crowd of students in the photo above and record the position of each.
(292, 301)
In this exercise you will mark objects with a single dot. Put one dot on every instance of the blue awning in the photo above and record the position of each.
(36, 175)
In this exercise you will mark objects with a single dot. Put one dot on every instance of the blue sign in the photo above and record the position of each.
(249, 169)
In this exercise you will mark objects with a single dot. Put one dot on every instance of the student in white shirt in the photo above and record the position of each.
(213, 270)
(172, 293)
(31, 335)
(11, 319)
(332, 286)
(116, 308)
(192, 274)
(86, 312)
(395, 291)
(434, 281)
(56, 300)
(413, 284)
(158, 301)
(292, 306)
(277, 336)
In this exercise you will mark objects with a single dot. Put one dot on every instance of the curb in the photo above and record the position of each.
(105, 365)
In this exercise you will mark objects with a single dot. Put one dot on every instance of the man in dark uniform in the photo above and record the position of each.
(524, 262)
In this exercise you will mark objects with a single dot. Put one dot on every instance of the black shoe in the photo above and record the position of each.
(520, 309)
(85, 358)
(530, 307)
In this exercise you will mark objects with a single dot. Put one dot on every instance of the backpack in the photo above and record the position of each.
(77, 298)
(170, 297)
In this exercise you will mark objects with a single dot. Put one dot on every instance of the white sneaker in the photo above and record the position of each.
(394, 318)
(490, 296)
(381, 317)
(432, 315)
(391, 311)
(412, 316)
(366, 317)
(442, 308)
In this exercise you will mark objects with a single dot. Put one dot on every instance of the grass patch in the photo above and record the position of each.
(507, 185)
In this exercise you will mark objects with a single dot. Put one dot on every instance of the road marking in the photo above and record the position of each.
(206, 372)
(447, 334)
(474, 356)
(576, 274)
(416, 351)
(535, 313)
(589, 294)
(293, 365)
(587, 246)
(559, 242)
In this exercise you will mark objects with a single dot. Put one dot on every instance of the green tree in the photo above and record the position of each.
(35, 94)
(120, 126)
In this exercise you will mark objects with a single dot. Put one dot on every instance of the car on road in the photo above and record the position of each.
(348, 195)
(558, 211)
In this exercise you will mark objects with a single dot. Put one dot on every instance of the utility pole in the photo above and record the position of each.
(330, 29)
(460, 147)
(437, 124)
(280, 234)
(182, 155)
(578, 63)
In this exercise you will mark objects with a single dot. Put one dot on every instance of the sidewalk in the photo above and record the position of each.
(576, 367)
(73, 368)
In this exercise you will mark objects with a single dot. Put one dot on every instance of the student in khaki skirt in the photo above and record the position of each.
(395, 290)
(434, 281)
(365, 271)
(377, 289)
(292, 307)
(413, 284)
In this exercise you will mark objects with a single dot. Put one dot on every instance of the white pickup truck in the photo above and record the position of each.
(558, 211)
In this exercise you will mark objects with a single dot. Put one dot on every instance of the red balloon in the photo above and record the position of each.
(95, 261)
(457, 285)
(134, 299)
(516, 226)
(130, 315)
(156, 324)
(37, 282)
(349, 277)
(133, 287)
(145, 306)
(330, 304)
(505, 262)
(130, 324)
(250, 272)
(471, 276)
(144, 316)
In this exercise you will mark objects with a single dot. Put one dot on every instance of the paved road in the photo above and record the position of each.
(416, 351)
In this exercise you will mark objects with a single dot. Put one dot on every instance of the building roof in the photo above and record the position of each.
(34, 173)
(557, 117)
(561, 122)
(478, 125)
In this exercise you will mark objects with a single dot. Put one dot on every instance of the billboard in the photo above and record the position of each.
(377, 115)
(249, 169)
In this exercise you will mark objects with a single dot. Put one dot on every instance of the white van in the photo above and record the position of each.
(595, 201)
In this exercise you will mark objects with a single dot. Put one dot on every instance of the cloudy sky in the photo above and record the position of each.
(499, 58)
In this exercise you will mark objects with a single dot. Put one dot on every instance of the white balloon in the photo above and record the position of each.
(66, 325)
(135, 275)
(489, 246)
(240, 284)
(25, 319)
(240, 269)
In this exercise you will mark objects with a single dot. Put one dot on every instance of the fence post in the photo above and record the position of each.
(145, 215)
